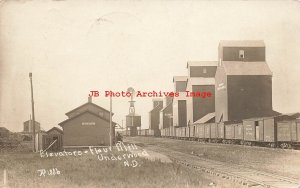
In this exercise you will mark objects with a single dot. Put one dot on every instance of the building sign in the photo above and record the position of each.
(88, 123)
(221, 86)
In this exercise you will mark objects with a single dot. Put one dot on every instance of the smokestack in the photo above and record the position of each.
(90, 99)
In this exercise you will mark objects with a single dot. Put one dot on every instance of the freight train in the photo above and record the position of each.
(278, 131)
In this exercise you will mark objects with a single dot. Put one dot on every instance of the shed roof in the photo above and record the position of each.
(246, 68)
(206, 118)
(201, 63)
(170, 104)
(156, 108)
(84, 112)
(179, 78)
(242, 43)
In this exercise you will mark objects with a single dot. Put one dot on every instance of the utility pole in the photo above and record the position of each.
(110, 123)
(32, 108)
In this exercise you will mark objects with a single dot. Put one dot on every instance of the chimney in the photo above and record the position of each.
(90, 99)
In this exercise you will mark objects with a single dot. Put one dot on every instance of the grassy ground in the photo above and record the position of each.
(88, 171)
(283, 162)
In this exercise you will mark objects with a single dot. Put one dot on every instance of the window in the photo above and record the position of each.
(204, 71)
(241, 54)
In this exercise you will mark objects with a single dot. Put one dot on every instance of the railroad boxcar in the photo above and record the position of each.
(263, 131)
(163, 132)
(214, 132)
(199, 134)
(172, 132)
(207, 132)
(221, 131)
(239, 133)
(150, 132)
(192, 131)
(232, 132)
(177, 132)
(143, 132)
(288, 134)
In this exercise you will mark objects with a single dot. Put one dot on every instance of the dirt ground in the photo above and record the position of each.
(278, 161)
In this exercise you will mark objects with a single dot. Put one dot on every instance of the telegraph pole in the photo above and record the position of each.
(32, 108)
(110, 123)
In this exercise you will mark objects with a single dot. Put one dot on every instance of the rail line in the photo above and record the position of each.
(240, 174)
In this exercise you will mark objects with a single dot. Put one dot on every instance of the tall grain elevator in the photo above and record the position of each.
(243, 81)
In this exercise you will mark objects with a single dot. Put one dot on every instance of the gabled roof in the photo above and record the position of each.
(87, 111)
(246, 68)
(55, 128)
(180, 78)
(242, 43)
(206, 118)
(201, 63)
(88, 103)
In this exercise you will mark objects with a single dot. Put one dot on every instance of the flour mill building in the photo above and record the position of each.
(87, 125)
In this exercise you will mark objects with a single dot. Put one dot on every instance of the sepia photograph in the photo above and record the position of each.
(150, 94)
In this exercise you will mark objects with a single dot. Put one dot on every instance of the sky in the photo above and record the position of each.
(73, 47)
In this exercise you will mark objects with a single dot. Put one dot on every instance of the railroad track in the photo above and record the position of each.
(237, 173)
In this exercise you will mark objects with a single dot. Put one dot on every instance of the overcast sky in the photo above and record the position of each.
(72, 47)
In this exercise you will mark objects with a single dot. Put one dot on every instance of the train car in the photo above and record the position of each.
(288, 134)
(172, 132)
(239, 133)
(214, 132)
(263, 131)
(192, 130)
(181, 132)
(221, 131)
(150, 132)
(163, 132)
(199, 132)
(143, 132)
(168, 132)
(207, 132)
(232, 132)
